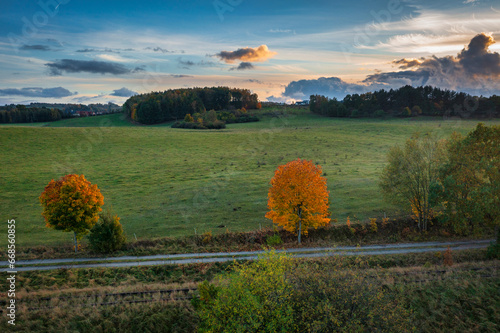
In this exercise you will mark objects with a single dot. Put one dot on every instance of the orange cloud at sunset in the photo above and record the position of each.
(247, 54)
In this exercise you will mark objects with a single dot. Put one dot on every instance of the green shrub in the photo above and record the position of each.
(279, 294)
(379, 114)
(330, 298)
(274, 240)
(107, 235)
(406, 112)
(254, 298)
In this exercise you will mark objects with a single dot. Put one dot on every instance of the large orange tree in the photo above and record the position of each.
(71, 203)
(298, 197)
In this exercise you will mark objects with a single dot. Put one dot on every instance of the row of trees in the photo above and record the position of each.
(22, 114)
(456, 181)
(408, 101)
(175, 104)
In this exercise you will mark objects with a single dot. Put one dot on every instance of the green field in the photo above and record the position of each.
(170, 182)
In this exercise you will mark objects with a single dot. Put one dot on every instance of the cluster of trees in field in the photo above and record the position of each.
(175, 104)
(215, 120)
(408, 101)
(455, 182)
(21, 114)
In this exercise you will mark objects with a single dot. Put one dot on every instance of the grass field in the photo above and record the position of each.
(171, 182)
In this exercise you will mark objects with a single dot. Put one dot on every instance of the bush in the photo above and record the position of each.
(329, 298)
(278, 294)
(406, 112)
(217, 124)
(355, 113)
(379, 114)
(107, 235)
(274, 240)
(255, 298)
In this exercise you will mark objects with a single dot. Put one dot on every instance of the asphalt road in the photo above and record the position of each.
(191, 258)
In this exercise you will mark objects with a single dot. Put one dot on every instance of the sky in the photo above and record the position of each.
(72, 51)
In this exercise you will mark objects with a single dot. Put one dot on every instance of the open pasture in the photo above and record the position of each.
(170, 182)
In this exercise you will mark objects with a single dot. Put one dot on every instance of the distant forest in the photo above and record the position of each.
(408, 101)
(175, 104)
(22, 114)
(44, 112)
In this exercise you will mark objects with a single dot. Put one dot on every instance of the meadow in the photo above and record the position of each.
(173, 182)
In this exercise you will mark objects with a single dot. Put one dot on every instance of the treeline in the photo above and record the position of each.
(21, 114)
(70, 108)
(175, 104)
(408, 101)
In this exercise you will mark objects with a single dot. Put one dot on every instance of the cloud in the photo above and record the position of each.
(474, 70)
(283, 31)
(327, 86)
(187, 64)
(103, 50)
(57, 92)
(35, 48)
(123, 92)
(243, 66)
(247, 54)
(178, 76)
(92, 66)
(158, 49)
(254, 81)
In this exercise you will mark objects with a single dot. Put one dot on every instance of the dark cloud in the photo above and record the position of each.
(247, 54)
(327, 86)
(475, 70)
(138, 69)
(243, 66)
(476, 58)
(106, 50)
(408, 63)
(35, 48)
(57, 92)
(178, 76)
(123, 92)
(187, 64)
(158, 49)
(87, 50)
(89, 66)
(254, 81)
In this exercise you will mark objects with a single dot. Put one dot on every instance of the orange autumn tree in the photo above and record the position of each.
(298, 197)
(71, 203)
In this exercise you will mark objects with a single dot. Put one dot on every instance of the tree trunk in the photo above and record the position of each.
(76, 241)
(300, 223)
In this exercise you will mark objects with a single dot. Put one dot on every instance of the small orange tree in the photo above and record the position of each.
(71, 203)
(298, 197)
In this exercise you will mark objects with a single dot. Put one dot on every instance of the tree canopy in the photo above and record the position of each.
(71, 203)
(411, 172)
(298, 197)
(470, 180)
(175, 104)
(408, 101)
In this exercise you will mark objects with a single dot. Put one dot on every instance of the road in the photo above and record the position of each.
(192, 258)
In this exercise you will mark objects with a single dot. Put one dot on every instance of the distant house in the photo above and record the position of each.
(306, 102)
